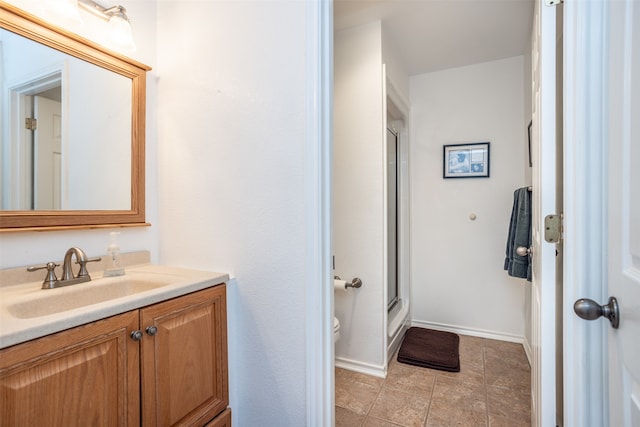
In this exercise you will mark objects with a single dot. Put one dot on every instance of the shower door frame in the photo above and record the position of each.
(396, 320)
(393, 243)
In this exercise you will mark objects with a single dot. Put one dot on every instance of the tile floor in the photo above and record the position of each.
(493, 388)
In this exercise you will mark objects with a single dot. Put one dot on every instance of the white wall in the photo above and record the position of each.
(359, 198)
(231, 114)
(458, 279)
(103, 138)
(31, 248)
(396, 72)
(358, 194)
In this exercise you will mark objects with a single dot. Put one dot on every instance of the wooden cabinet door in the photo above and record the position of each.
(184, 364)
(85, 376)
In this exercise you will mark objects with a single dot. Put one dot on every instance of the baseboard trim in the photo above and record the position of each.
(380, 371)
(363, 368)
(500, 336)
(527, 350)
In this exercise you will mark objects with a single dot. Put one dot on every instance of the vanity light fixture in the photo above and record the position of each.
(120, 33)
(66, 10)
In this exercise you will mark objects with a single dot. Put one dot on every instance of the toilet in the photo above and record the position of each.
(336, 329)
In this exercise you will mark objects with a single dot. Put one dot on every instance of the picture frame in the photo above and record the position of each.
(529, 136)
(466, 160)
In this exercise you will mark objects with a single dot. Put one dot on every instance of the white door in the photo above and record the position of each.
(624, 212)
(602, 183)
(47, 154)
(543, 297)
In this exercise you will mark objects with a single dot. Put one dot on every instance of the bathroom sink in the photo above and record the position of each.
(52, 301)
(27, 311)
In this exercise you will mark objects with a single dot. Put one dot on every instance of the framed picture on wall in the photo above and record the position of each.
(466, 160)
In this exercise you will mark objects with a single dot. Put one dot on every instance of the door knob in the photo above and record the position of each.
(523, 251)
(590, 310)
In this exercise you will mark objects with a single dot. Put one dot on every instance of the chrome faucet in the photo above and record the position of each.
(51, 281)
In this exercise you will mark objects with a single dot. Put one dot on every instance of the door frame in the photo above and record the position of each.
(544, 187)
(584, 403)
(585, 108)
(319, 346)
(396, 320)
(19, 156)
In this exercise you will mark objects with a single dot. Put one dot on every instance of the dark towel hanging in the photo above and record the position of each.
(519, 235)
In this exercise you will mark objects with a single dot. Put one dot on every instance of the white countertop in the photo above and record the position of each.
(16, 328)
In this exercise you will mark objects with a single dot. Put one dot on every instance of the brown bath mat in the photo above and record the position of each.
(430, 349)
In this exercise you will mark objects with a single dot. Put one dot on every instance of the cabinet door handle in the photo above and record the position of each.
(152, 330)
(136, 335)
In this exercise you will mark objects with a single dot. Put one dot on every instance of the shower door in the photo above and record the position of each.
(392, 219)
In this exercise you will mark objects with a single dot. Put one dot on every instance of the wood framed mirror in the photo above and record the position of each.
(98, 155)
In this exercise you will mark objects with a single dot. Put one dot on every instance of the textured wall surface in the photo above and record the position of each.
(457, 264)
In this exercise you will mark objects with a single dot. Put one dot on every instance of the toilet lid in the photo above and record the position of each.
(336, 324)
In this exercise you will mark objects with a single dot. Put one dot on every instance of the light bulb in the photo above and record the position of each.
(120, 33)
(65, 11)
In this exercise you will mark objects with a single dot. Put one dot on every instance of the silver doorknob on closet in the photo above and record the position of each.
(523, 251)
(590, 310)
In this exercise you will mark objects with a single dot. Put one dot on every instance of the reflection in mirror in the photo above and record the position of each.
(72, 116)
(66, 138)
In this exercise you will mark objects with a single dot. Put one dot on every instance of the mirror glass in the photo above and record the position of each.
(66, 133)
(72, 129)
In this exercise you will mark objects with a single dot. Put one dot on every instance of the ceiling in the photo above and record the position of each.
(431, 35)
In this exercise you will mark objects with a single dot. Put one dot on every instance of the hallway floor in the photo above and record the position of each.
(493, 388)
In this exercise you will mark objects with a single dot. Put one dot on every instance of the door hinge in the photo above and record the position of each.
(30, 124)
(553, 228)
(553, 2)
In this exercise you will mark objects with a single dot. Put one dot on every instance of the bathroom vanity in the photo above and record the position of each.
(153, 352)
(148, 348)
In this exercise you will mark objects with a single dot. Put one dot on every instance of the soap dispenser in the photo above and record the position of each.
(114, 265)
